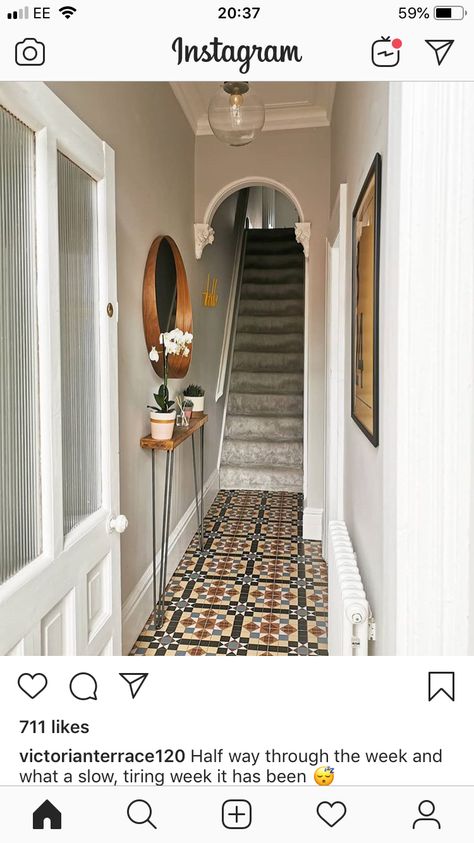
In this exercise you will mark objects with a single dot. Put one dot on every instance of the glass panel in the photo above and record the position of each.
(20, 498)
(79, 296)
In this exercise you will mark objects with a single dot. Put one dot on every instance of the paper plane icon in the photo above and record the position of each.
(441, 48)
(134, 681)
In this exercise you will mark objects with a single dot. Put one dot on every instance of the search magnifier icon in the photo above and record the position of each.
(139, 812)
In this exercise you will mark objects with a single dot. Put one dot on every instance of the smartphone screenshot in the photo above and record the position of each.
(236, 420)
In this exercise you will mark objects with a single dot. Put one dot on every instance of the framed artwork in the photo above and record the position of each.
(365, 304)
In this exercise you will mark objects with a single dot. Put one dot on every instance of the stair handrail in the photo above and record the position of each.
(234, 293)
(230, 330)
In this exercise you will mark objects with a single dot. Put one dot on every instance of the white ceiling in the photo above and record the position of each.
(288, 105)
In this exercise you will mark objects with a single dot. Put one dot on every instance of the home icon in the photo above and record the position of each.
(46, 812)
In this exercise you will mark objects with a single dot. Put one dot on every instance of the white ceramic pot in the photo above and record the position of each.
(162, 425)
(198, 404)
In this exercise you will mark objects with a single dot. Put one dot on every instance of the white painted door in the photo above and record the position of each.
(60, 559)
(335, 365)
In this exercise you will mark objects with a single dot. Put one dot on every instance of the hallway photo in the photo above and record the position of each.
(236, 367)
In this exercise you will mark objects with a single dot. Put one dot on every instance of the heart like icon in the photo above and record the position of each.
(331, 813)
(32, 684)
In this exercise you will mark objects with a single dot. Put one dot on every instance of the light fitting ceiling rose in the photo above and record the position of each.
(236, 115)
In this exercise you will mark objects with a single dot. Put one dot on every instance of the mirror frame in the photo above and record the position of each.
(177, 365)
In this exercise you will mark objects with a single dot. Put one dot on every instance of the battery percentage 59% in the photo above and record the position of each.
(413, 12)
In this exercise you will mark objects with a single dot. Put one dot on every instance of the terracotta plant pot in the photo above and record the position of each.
(162, 425)
(198, 404)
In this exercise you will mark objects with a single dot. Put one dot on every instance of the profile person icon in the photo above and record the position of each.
(426, 809)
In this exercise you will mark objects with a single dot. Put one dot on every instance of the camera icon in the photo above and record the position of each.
(30, 52)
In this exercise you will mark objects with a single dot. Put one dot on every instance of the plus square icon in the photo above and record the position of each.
(236, 814)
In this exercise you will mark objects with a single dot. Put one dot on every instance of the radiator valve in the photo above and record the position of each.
(372, 629)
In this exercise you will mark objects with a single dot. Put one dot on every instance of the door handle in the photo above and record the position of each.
(119, 523)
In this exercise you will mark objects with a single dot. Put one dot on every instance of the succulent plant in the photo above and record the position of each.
(193, 390)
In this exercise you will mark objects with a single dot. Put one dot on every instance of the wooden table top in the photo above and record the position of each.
(179, 436)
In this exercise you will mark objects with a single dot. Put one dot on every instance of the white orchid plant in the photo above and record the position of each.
(174, 342)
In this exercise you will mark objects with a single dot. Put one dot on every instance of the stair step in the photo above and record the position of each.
(255, 404)
(271, 428)
(270, 234)
(272, 291)
(271, 307)
(283, 248)
(271, 261)
(262, 452)
(270, 324)
(267, 383)
(250, 361)
(264, 479)
(269, 342)
(264, 277)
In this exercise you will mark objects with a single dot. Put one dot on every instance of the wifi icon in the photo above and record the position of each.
(68, 11)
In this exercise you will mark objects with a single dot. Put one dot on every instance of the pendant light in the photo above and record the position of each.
(236, 115)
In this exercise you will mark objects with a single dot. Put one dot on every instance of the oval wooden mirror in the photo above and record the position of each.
(166, 302)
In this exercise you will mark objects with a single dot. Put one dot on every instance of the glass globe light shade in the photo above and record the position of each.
(236, 115)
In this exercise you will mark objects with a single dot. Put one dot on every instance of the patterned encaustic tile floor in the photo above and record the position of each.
(257, 589)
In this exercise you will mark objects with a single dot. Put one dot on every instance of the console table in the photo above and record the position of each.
(181, 434)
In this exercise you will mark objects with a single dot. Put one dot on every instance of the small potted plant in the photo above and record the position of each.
(196, 394)
(163, 415)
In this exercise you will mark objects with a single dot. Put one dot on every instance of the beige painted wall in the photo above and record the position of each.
(300, 161)
(359, 130)
(154, 148)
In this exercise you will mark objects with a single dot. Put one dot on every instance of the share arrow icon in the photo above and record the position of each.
(134, 681)
(441, 48)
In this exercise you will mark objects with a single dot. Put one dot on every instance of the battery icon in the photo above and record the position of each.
(449, 12)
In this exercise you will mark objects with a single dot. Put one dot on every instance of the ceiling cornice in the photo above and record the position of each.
(185, 97)
(278, 116)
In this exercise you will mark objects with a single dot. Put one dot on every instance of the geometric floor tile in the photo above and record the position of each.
(257, 589)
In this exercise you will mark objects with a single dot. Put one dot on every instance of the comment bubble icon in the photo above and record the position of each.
(83, 686)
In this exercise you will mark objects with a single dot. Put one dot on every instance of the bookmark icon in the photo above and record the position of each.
(441, 682)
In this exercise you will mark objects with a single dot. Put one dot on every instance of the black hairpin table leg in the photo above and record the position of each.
(165, 534)
(149, 443)
(202, 487)
(153, 522)
(196, 493)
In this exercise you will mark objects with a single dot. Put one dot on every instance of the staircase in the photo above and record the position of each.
(263, 437)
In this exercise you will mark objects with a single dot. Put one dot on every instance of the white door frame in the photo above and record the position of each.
(66, 593)
(428, 370)
(335, 364)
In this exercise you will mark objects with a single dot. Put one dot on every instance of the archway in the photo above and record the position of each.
(204, 233)
(253, 181)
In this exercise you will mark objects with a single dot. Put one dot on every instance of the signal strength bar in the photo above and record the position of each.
(20, 14)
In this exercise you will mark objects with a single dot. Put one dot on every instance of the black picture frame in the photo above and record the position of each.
(374, 174)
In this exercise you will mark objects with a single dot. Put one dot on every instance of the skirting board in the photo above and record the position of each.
(138, 606)
(312, 524)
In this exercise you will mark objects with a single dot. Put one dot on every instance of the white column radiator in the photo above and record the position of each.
(350, 621)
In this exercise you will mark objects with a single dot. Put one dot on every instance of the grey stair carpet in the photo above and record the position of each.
(263, 437)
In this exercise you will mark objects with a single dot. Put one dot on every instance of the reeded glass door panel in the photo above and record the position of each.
(79, 297)
(20, 498)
